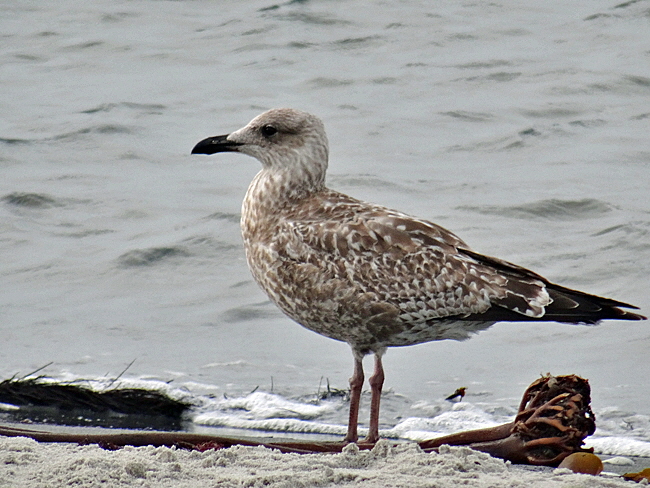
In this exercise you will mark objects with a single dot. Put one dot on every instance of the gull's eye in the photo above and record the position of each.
(268, 130)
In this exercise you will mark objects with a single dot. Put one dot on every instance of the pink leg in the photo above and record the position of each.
(356, 383)
(376, 382)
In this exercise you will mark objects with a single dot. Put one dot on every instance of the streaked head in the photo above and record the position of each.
(281, 139)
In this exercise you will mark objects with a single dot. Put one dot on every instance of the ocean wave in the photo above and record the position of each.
(553, 209)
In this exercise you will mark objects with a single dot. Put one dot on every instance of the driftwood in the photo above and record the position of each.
(554, 418)
(185, 440)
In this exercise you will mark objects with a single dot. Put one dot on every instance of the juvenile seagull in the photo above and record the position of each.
(367, 275)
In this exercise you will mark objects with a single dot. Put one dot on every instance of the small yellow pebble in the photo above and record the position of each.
(582, 462)
(638, 477)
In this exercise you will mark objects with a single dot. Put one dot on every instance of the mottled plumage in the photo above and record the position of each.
(365, 274)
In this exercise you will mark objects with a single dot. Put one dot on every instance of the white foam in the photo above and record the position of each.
(619, 446)
(262, 405)
(619, 461)
(270, 425)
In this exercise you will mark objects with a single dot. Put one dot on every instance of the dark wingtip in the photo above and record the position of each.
(633, 316)
(215, 144)
(588, 308)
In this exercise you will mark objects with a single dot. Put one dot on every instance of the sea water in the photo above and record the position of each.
(521, 126)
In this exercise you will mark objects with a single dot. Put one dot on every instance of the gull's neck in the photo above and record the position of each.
(289, 176)
(274, 192)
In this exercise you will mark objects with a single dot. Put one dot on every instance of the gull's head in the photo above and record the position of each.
(282, 139)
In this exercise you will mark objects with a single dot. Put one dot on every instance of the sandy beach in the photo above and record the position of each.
(26, 463)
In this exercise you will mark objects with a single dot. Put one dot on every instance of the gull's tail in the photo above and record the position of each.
(568, 306)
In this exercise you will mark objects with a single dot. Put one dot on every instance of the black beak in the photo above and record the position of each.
(215, 144)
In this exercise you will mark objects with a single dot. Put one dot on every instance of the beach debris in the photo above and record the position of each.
(458, 394)
(638, 477)
(553, 420)
(45, 401)
(582, 462)
(331, 392)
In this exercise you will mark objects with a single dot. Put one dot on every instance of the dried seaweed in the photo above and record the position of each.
(553, 420)
(73, 404)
